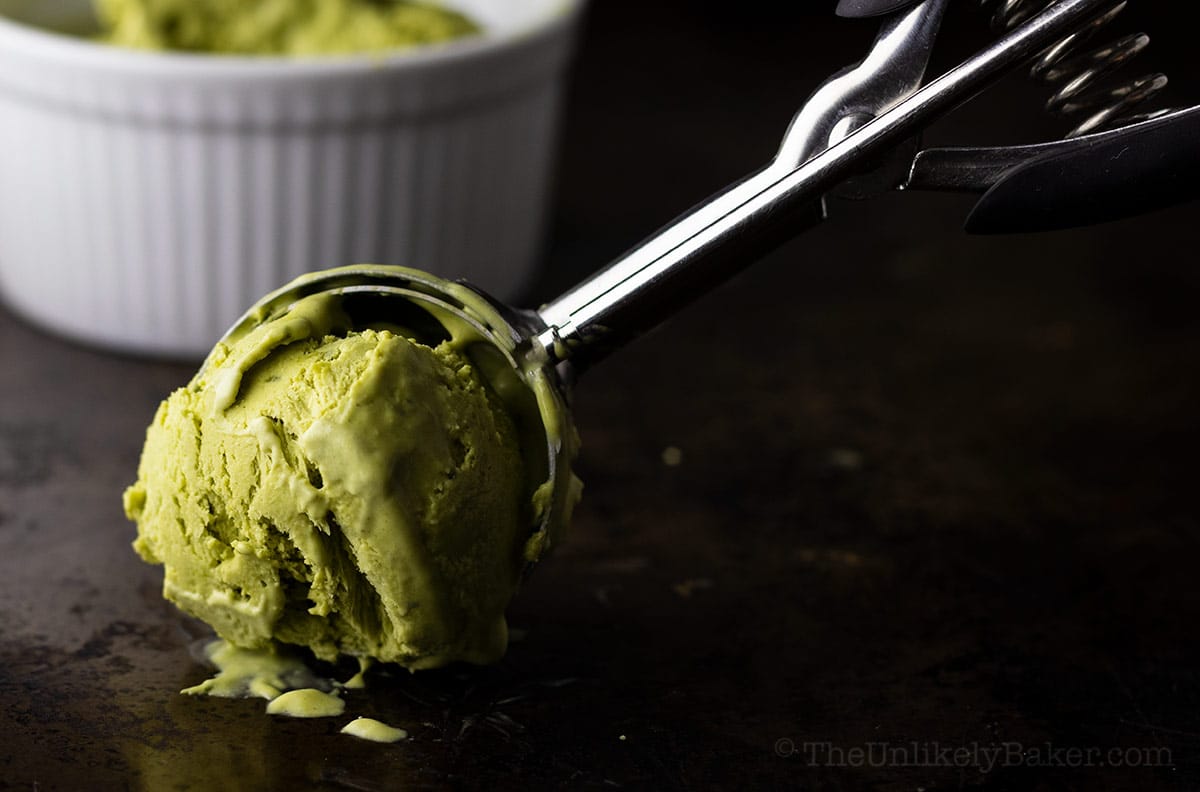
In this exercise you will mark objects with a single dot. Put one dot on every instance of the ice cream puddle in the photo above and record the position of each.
(291, 688)
(373, 730)
(307, 703)
(256, 673)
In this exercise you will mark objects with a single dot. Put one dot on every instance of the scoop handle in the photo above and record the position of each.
(724, 235)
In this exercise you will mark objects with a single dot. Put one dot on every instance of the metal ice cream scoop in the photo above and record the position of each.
(857, 131)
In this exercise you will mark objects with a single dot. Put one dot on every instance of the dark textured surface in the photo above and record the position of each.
(933, 493)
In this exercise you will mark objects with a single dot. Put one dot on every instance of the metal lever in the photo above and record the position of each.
(892, 70)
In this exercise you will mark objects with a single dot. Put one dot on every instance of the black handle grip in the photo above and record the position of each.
(1151, 165)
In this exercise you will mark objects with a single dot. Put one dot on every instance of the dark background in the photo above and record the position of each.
(934, 491)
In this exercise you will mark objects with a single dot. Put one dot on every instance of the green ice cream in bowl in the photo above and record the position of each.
(279, 27)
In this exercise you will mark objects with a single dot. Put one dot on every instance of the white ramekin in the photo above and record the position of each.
(146, 199)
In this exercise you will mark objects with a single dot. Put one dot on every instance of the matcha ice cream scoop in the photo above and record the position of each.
(278, 27)
(344, 488)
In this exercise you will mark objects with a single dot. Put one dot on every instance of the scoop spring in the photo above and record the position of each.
(1080, 74)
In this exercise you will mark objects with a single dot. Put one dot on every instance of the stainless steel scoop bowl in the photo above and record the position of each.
(529, 357)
